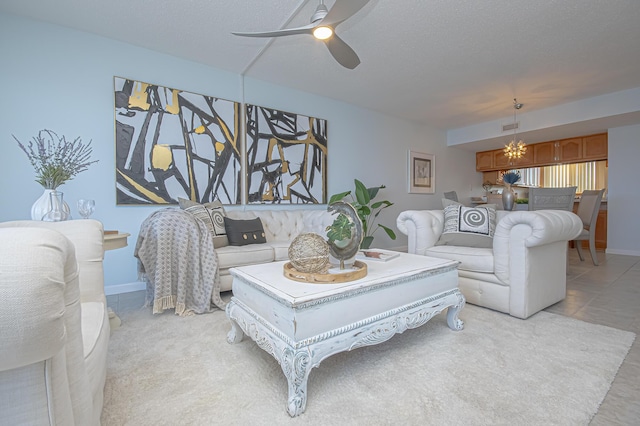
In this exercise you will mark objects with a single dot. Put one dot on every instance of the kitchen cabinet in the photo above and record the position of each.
(601, 229)
(595, 147)
(564, 151)
(484, 160)
(570, 150)
(493, 177)
(500, 161)
(526, 160)
(544, 153)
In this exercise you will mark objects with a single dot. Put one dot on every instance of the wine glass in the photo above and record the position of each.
(86, 208)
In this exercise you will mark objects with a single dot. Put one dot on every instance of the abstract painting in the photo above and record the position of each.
(422, 173)
(286, 157)
(171, 143)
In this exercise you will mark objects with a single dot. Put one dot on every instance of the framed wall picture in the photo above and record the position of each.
(422, 173)
(174, 144)
(286, 157)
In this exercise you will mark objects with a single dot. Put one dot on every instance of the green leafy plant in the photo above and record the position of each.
(55, 159)
(368, 212)
(340, 229)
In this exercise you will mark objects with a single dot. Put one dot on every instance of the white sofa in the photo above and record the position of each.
(54, 323)
(281, 227)
(524, 271)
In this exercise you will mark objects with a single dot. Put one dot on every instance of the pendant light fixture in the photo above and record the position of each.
(516, 148)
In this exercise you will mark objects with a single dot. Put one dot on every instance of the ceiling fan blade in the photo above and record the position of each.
(341, 51)
(342, 10)
(279, 33)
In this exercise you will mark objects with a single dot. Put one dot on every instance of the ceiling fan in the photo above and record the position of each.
(322, 26)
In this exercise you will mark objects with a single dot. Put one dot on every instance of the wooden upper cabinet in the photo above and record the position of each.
(484, 161)
(525, 161)
(595, 147)
(570, 150)
(544, 153)
(500, 161)
(573, 150)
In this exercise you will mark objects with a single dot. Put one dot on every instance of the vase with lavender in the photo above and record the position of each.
(55, 161)
(508, 197)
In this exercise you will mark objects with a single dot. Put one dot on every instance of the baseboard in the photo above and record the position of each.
(625, 252)
(110, 290)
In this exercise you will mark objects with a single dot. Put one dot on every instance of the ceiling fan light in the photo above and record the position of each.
(323, 32)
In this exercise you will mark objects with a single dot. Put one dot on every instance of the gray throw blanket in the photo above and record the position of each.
(177, 261)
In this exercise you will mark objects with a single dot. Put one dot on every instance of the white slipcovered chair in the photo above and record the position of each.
(53, 321)
(524, 270)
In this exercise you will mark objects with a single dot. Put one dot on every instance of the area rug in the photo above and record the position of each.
(499, 370)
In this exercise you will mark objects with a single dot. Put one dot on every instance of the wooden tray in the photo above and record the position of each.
(326, 277)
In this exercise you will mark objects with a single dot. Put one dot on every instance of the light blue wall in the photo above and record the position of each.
(61, 79)
(623, 231)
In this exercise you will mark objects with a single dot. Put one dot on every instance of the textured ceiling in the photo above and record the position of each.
(445, 63)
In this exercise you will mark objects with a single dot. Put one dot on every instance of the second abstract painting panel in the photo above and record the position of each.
(286, 157)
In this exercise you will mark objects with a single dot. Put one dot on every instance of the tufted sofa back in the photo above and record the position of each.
(285, 225)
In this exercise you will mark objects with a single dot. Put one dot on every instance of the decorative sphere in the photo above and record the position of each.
(309, 252)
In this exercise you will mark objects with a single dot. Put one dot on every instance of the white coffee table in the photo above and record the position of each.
(301, 324)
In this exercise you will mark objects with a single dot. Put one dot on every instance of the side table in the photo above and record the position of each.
(114, 241)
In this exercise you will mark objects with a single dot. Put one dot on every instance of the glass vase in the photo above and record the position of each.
(57, 212)
(43, 204)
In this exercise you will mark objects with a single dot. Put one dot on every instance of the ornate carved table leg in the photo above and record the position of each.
(296, 366)
(452, 313)
(236, 334)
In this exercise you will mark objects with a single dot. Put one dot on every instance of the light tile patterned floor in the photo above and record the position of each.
(608, 294)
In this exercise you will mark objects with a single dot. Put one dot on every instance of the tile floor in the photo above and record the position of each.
(608, 294)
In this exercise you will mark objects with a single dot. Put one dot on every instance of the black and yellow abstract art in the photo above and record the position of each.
(286, 157)
(171, 143)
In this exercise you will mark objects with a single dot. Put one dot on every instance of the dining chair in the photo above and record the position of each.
(588, 209)
(552, 198)
(451, 195)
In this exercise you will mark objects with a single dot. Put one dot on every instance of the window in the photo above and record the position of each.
(590, 175)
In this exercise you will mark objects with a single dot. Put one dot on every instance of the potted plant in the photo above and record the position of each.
(55, 161)
(368, 212)
(508, 198)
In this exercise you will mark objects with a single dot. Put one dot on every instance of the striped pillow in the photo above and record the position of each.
(212, 214)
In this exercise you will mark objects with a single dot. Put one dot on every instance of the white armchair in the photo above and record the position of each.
(54, 322)
(524, 271)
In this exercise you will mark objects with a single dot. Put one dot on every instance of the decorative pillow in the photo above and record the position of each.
(446, 203)
(212, 214)
(244, 232)
(468, 226)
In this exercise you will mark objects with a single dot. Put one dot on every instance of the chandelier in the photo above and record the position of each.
(516, 148)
